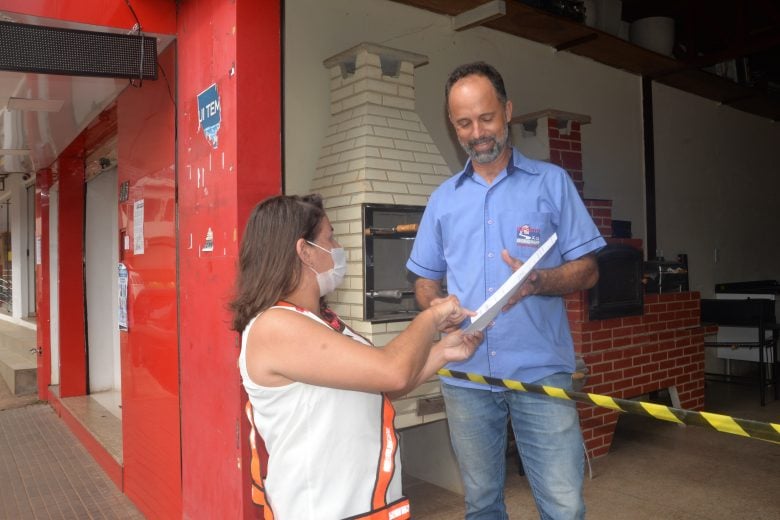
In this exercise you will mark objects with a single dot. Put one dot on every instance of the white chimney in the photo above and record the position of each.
(377, 150)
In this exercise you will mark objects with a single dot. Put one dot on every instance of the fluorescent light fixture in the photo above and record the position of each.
(479, 15)
(35, 105)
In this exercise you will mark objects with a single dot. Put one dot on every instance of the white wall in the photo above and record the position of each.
(703, 152)
(536, 78)
(717, 187)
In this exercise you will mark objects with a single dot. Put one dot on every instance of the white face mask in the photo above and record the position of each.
(332, 278)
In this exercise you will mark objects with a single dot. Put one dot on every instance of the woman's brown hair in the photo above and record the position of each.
(268, 264)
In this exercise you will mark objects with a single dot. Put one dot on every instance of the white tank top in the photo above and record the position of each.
(332, 453)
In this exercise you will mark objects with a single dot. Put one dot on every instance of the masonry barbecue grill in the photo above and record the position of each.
(388, 236)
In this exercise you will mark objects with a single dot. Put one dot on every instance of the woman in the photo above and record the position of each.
(318, 390)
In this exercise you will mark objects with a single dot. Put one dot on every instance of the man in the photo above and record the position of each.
(478, 227)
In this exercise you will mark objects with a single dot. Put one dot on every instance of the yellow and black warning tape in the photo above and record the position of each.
(722, 423)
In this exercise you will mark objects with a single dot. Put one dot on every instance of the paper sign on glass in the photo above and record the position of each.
(493, 305)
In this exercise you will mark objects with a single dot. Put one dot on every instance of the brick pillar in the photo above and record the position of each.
(601, 212)
(554, 136)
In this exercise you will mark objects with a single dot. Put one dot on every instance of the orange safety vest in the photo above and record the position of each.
(258, 485)
(398, 510)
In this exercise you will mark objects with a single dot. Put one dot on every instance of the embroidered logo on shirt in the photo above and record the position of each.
(528, 236)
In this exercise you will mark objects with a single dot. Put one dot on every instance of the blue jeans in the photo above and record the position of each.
(548, 436)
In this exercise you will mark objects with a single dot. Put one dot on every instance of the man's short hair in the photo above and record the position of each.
(479, 68)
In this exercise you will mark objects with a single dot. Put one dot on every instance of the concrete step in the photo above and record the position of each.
(18, 365)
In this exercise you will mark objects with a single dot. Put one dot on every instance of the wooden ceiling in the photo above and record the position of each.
(708, 32)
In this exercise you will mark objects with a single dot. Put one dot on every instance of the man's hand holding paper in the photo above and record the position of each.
(512, 290)
(529, 287)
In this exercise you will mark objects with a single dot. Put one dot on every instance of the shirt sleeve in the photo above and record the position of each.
(427, 257)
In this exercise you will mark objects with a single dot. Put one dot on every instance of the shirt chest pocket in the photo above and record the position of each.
(523, 232)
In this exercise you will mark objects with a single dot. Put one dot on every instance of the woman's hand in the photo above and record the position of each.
(449, 314)
(458, 346)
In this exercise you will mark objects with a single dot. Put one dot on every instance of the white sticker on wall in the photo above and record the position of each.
(138, 227)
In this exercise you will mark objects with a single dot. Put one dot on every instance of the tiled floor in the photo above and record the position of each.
(658, 471)
(655, 470)
(45, 473)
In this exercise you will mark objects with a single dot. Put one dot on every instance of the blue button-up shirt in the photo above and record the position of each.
(466, 225)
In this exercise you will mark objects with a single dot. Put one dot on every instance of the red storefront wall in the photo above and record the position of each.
(235, 46)
(183, 430)
(146, 124)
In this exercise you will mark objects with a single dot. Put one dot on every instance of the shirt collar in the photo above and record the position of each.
(517, 162)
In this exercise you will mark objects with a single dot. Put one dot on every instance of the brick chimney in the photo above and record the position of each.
(554, 136)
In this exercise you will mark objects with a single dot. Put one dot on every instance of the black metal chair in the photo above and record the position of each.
(755, 313)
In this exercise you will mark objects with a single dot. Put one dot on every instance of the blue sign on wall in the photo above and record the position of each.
(209, 115)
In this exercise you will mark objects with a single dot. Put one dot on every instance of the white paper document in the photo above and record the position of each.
(493, 305)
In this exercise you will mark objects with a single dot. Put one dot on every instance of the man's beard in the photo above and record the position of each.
(499, 144)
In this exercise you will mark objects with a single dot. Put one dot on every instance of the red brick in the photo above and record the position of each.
(595, 379)
(659, 356)
(631, 320)
(590, 359)
(593, 422)
(591, 326)
(640, 380)
(560, 144)
(648, 368)
(649, 318)
(607, 429)
(623, 342)
(656, 308)
(622, 331)
(650, 348)
(600, 452)
(652, 387)
(571, 160)
(632, 372)
(632, 352)
(682, 379)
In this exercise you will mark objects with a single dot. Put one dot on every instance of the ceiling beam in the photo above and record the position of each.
(753, 46)
(576, 42)
(479, 15)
